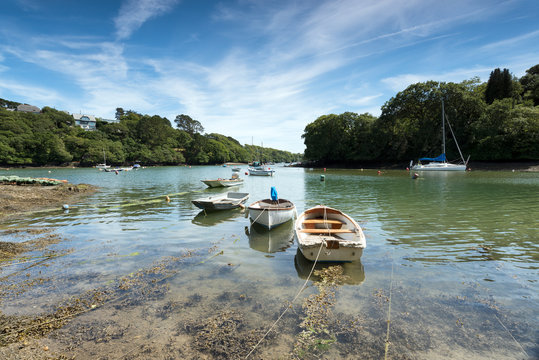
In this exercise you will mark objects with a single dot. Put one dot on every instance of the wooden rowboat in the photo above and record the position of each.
(340, 236)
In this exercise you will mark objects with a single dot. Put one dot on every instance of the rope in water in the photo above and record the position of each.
(389, 308)
(288, 307)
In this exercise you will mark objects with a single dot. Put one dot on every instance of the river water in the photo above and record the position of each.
(450, 269)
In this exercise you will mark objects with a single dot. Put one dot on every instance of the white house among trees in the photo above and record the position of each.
(87, 122)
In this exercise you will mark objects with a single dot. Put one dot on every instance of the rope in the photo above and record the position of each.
(389, 309)
(259, 215)
(288, 307)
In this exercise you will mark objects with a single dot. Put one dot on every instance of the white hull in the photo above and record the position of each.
(261, 172)
(340, 236)
(270, 214)
(226, 201)
(439, 167)
(223, 182)
(102, 166)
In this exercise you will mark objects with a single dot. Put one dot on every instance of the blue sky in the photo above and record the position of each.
(258, 71)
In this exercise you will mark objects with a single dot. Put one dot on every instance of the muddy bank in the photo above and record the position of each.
(20, 199)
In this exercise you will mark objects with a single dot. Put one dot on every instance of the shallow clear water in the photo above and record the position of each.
(451, 258)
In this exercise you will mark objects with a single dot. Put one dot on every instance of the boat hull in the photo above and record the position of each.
(271, 214)
(222, 183)
(326, 234)
(439, 167)
(261, 172)
(227, 201)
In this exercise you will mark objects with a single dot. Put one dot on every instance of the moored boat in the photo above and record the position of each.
(440, 162)
(271, 213)
(230, 200)
(235, 180)
(340, 236)
(257, 169)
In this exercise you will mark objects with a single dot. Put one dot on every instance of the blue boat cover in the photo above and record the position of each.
(440, 158)
(274, 196)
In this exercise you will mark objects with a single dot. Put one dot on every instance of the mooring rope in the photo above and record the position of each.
(389, 308)
(259, 215)
(288, 307)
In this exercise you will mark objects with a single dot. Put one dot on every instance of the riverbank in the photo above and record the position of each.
(530, 166)
(20, 199)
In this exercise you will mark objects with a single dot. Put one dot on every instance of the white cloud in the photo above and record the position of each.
(32, 94)
(511, 42)
(401, 82)
(134, 13)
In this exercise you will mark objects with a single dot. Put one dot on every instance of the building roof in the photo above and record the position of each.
(81, 116)
(28, 108)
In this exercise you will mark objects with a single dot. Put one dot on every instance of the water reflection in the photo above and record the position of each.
(264, 240)
(211, 218)
(354, 271)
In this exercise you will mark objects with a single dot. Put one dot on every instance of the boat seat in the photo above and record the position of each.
(322, 221)
(326, 231)
(332, 223)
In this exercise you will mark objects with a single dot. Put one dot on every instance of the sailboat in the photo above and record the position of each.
(440, 163)
(104, 165)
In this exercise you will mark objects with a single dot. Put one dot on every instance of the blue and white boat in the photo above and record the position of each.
(440, 162)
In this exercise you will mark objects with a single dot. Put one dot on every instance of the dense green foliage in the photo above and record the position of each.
(51, 138)
(409, 126)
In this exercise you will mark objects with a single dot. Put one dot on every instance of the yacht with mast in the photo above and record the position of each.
(440, 162)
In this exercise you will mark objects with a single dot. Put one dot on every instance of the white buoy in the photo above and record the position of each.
(65, 206)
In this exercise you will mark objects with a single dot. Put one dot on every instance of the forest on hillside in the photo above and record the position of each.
(52, 138)
(493, 121)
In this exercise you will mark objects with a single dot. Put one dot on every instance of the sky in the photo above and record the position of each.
(256, 70)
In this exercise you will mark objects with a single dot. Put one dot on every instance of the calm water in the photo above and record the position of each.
(451, 259)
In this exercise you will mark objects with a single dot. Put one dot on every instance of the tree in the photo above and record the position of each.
(186, 123)
(530, 84)
(119, 113)
(499, 85)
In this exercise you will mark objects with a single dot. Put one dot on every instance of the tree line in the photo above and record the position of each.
(52, 138)
(493, 121)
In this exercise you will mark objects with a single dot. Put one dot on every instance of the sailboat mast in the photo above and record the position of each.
(443, 128)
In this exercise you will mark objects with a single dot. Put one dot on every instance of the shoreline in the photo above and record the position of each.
(528, 166)
(525, 166)
(20, 200)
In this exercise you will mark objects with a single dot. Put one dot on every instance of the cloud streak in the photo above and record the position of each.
(134, 13)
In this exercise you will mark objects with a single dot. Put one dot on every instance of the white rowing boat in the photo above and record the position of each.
(271, 213)
(225, 201)
(340, 236)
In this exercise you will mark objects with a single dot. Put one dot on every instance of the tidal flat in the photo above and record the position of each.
(450, 270)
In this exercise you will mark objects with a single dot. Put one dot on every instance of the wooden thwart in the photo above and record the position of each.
(322, 221)
(326, 231)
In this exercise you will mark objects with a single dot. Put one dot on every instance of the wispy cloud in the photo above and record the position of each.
(511, 42)
(401, 82)
(32, 94)
(134, 13)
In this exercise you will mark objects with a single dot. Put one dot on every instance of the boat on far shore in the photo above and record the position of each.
(258, 169)
(440, 162)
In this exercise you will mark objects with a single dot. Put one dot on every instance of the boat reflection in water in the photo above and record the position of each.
(211, 218)
(270, 241)
(354, 271)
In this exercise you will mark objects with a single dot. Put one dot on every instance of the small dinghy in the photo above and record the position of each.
(340, 236)
(272, 212)
(235, 180)
(225, 201)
